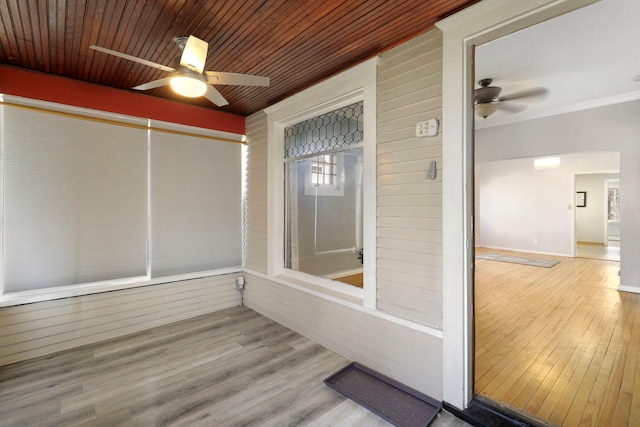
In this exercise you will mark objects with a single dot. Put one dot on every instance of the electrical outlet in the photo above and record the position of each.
(536, 241)
(240, 283)
(427, 128)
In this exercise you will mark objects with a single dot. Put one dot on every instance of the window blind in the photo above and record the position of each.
(75, 200)
(195, 204)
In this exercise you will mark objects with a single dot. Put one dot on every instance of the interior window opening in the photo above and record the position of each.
(323, 182)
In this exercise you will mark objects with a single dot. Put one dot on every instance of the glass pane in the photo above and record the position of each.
(614, 204)
(334, 130)
(324, 227)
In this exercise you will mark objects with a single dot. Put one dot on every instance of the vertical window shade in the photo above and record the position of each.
(75, 200)
(195, 204)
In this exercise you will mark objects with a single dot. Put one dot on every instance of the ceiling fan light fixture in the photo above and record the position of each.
(485, 109)
(191, 87)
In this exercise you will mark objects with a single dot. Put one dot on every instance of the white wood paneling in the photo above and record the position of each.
(407, 355)
(409, 205)
(42, 328)
(391, 338)
(257, 191)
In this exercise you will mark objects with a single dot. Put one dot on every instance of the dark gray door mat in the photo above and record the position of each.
(519, 260)
(400, 405)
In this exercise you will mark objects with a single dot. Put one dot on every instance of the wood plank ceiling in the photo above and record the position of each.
(294, 42)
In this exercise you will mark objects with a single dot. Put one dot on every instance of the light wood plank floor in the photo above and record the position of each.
(559, 343)
(353, 280)
(594, 251)
(231, 368)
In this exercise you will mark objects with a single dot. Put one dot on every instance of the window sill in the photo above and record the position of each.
(319, 286)
(338, 296)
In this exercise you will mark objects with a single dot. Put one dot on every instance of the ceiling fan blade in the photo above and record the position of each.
(220, 78)
(194, 54)
(512, 108)
(153, 84)
(214, 96)
(131, 58)
(529, 93)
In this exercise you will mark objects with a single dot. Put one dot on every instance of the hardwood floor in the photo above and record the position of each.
(231, 368)
(353, 280)
(594, 251)
(560, 343)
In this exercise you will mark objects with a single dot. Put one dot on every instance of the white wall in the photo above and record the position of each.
(409, 215)
(608, 128)
(256, 247)
(42, 328)
(591, 219)
(401, 336)
(517, 205)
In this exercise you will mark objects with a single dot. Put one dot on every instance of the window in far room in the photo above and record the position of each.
(613, 204)
(324, 175)
(323, 170)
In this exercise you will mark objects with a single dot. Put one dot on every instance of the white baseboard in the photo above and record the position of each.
(631, 289)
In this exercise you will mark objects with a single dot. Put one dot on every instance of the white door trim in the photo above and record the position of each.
(480, 23)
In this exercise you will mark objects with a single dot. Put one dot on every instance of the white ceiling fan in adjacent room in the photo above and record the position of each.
(488, 99)
(188, 78)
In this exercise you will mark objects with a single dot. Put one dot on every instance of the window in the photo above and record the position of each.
(324, 234)
(335, 117)
(323, 170)
(75, 201)
(89, 204)
(324, 175)
(195, 204)
(613, 204)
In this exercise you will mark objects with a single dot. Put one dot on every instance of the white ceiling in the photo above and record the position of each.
(585, 59)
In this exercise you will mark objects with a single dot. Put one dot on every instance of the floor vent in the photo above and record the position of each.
(387, 398)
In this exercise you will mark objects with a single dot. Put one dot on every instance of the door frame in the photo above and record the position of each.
(480, 23)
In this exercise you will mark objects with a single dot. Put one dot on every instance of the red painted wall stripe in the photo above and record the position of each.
(47, 87)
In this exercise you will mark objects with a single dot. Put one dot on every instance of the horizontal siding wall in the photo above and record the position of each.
(409, 206)
(409, 233)
(409, 356)
(42, 328)
(257, 192)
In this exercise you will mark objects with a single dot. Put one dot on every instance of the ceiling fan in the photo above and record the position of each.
(188, 78)
(488, 99)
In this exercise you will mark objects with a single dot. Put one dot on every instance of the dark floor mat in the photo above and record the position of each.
(535, 262)
(395, 402)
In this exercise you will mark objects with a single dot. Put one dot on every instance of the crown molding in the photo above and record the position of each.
(602, 102)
